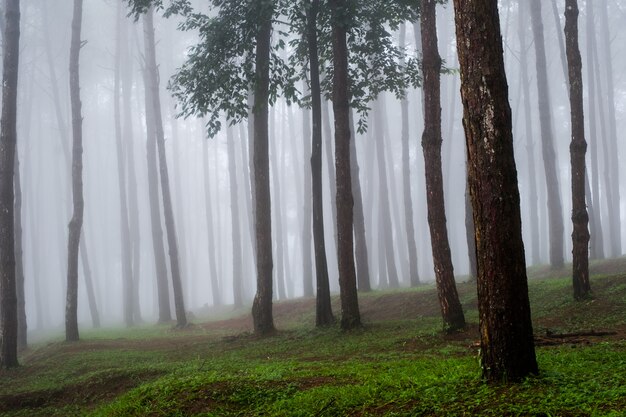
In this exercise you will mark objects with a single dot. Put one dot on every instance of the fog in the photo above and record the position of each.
(205, 239)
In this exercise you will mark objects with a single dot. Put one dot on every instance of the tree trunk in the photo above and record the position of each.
(414, 278)
(235, 226)
(125, 247)
(208, 207)
(530, 143)
(555, 212)
(597, 240)
(578, 148)
(22, 325)
(8, 139)
(323, 308)
(613, 165)
(262, 305)
(469, 233)
(451, 309)
(350, 315)
(168, 212)
(507, 348)
(76, 223)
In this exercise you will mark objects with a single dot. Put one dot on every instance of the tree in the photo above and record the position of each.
(451, 309)
(235, 226)
(22, 324)
(555, 211)
(323, 309)
(507, 348)
(76, 223)
(350, 315)
(578, 149)
(168, 212)
(8, 140)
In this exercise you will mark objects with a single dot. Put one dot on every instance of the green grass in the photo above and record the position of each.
(396, 366)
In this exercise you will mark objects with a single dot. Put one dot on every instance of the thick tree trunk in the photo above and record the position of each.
(8, 140)
(414, 278)
(530, 143)
(451, 309)
(597, 239)
(235, 226)
(168, 212)
(470, 234)
(262, 305)
(507, 348)
(323, 309)
(611, 139)
(578, 148)
(350, 315)
(125, 247)
(555, 211)
(76, 223)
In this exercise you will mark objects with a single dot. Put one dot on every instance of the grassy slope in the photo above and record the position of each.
(398, 364)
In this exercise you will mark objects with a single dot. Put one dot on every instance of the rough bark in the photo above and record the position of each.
(262, 304)
(414, 278)
(8, 140)
(168, 212)
(507, 349)
(530, 142)
(578, 149)
(76, 223)
(235, 225)
(350, 315)
(469, 233)
(451, 309)
(323, 308)
(555, 211)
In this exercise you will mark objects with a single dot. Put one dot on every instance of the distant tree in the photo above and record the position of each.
(507, 348)
(76, 223)
(235, 224)
(152, 79)
(22, 325)
(8, 140)
(555, 211)
(578, 148)
(451, 309)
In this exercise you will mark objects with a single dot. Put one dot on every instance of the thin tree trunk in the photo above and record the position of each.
(350, 315)
(597, 239)
(208, 207)
(170, 227)
(235, 226)
(613, 165)
(22, 325)
(76, 223)
(507, 347)
(555, 212)
(307, 212)
(8, 139)
(323, 308)
(578, 148)
(530, 143)
(125, 247)
(451, 309)
(414, 278)
(262, 305)
(279, 237)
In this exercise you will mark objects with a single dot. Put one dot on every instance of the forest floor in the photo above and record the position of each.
(400, 363)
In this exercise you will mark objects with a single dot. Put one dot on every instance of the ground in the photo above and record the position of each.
(399, 363)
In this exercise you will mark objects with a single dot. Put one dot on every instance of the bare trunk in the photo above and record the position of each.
(279, 238)
(307, 211)
(168, 212)
(451, 309)
(208, 207)
(22, 325)
(76, 223)
(235, 227)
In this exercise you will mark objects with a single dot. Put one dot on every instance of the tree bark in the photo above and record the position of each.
(8, 141)
(76, 223)
(451, 309)
(323, 308)
(507, 348)
(414, 278)
(578, 148)
(350, 315)
(168, 212)
(262, 304)
(555, 211)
